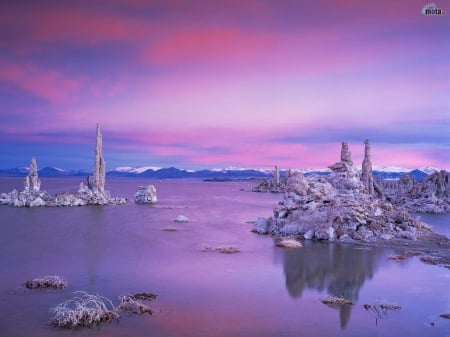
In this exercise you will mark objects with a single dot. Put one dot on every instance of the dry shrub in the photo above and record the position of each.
(224, 249)
(380, 309)
(132, 306)
(84, 310)
(143, 296)
(53, 281)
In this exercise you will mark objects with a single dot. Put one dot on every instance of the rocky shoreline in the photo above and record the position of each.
(350, 207)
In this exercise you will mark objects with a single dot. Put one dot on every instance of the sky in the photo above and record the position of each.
(210, 84)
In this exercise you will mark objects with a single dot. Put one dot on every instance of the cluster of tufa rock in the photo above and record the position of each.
(431, 195)
(146, 195)
(343, 206)
(93, 193)
(275, 185)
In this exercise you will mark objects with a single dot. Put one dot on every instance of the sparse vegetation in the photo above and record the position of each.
(380, 309)
(336, 301)
(84, 310)
(143, 296)
(403, 256)
(224, 249)
(53, 281)
(130, 304)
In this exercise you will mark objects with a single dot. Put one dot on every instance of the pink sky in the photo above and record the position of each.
(201, 84)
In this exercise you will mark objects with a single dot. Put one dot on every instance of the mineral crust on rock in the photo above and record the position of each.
(339, 207)
(146, 195)
(431, 195)
(93, 193)
(274, 185)
(31, 196)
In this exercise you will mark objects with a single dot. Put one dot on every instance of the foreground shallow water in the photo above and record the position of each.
(261, 291)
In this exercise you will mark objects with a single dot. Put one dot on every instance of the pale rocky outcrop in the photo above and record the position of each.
(366, 169)
(181, 218)
(31, 196)
(274, 185)
(32, 182)
(97, 182)
(338, 207)
(431, 195)
(93, 193)
(146, 195)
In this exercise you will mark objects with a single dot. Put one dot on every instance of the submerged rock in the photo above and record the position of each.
(339, 207)
(146, 195)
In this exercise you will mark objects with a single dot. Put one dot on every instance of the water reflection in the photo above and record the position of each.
(94, 244)
(341, 270)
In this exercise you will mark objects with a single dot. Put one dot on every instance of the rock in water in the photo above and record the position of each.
(146, 195)
(31, 196)
(92, 194)
(181, 218)
(339, 207)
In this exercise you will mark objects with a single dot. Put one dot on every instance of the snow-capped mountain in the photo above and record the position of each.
(383, 172)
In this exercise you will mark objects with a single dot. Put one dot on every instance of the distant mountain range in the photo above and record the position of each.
(385, 172)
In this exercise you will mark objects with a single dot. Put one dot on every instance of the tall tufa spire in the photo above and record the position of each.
(276, 176)
(97, 182)
(32, 182)
(366, 169)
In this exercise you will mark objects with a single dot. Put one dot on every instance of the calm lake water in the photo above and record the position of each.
(261, 291)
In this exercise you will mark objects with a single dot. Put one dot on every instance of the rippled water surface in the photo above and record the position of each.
(261, 291)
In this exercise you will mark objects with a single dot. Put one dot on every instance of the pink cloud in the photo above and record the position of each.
(51, 85)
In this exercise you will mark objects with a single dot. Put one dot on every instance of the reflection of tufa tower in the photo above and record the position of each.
(32, 182)
(96, 183)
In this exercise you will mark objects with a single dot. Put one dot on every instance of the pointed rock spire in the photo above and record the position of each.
(276, 176)
(97, 182)
(32, 182)
(345, 165)
(366, 170)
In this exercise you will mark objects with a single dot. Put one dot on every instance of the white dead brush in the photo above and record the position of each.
(336, 301)
(223, 250)
(380, 309)
(83, 311)
(53, 281)
(131, 305)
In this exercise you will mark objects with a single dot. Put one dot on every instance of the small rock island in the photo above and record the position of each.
(344, 206)
(91, 193)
